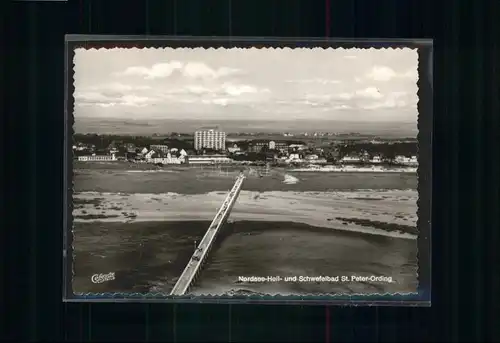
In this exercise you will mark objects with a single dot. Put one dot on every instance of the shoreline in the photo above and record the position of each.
(334, 169)
(121, 165)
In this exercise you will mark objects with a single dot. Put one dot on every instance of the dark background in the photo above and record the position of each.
(466, 228)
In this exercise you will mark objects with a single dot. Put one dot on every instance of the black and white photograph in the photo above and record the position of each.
(245, 171)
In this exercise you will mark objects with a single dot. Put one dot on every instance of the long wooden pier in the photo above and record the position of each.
(195, 264)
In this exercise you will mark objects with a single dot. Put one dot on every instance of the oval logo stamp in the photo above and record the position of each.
(101, 278)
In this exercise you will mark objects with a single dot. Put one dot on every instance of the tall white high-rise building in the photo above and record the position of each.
(209, 139)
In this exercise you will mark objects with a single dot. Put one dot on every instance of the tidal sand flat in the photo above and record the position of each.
(312, 208)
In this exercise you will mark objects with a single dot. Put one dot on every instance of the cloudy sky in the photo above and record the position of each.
(260, 84)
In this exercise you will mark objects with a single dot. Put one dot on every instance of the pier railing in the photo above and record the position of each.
(194, 266)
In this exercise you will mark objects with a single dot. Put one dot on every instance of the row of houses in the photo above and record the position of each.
(408, 161)
(159, 154)
(183, 158)
(259, 145)
(276, 151)
(402, 160)
(164, 156)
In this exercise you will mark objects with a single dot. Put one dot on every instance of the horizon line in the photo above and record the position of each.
(246, 119)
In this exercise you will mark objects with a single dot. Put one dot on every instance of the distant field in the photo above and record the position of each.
(231, 138)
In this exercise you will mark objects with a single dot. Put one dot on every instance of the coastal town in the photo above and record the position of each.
(211, 146)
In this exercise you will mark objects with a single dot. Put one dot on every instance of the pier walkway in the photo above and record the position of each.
(194, 265)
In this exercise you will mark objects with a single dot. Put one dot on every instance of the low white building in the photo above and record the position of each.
(166, 160)
(79, 147)
(318, 161)
(97, 158)
(408, 161)
(297, 146)
(376, 159)
(233, 149)
(350, 159)
(209, 159)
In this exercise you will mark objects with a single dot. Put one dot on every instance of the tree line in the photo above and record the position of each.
(386, 150)
(104, 141)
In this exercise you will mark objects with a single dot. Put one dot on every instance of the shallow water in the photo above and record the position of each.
(150, 256)
(199, 181)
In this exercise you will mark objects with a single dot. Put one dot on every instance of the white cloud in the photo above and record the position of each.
(381, 73)
(194, 70)
(388, 103)
(367, 93)
(201, 70)
(198, 70)
(370, 98)
(134, 100)
(411, 74)
(370, 92)
(393, 100)
(195, 89)
(118, 87)
(342, 107)
(237, 90)
(319, 97)
(366, 99)
(345, 96)
(110, 99)
(221, 102)
(89, 97)
(159, 70)
(226, 89)
(317, 80)
(114, 94)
